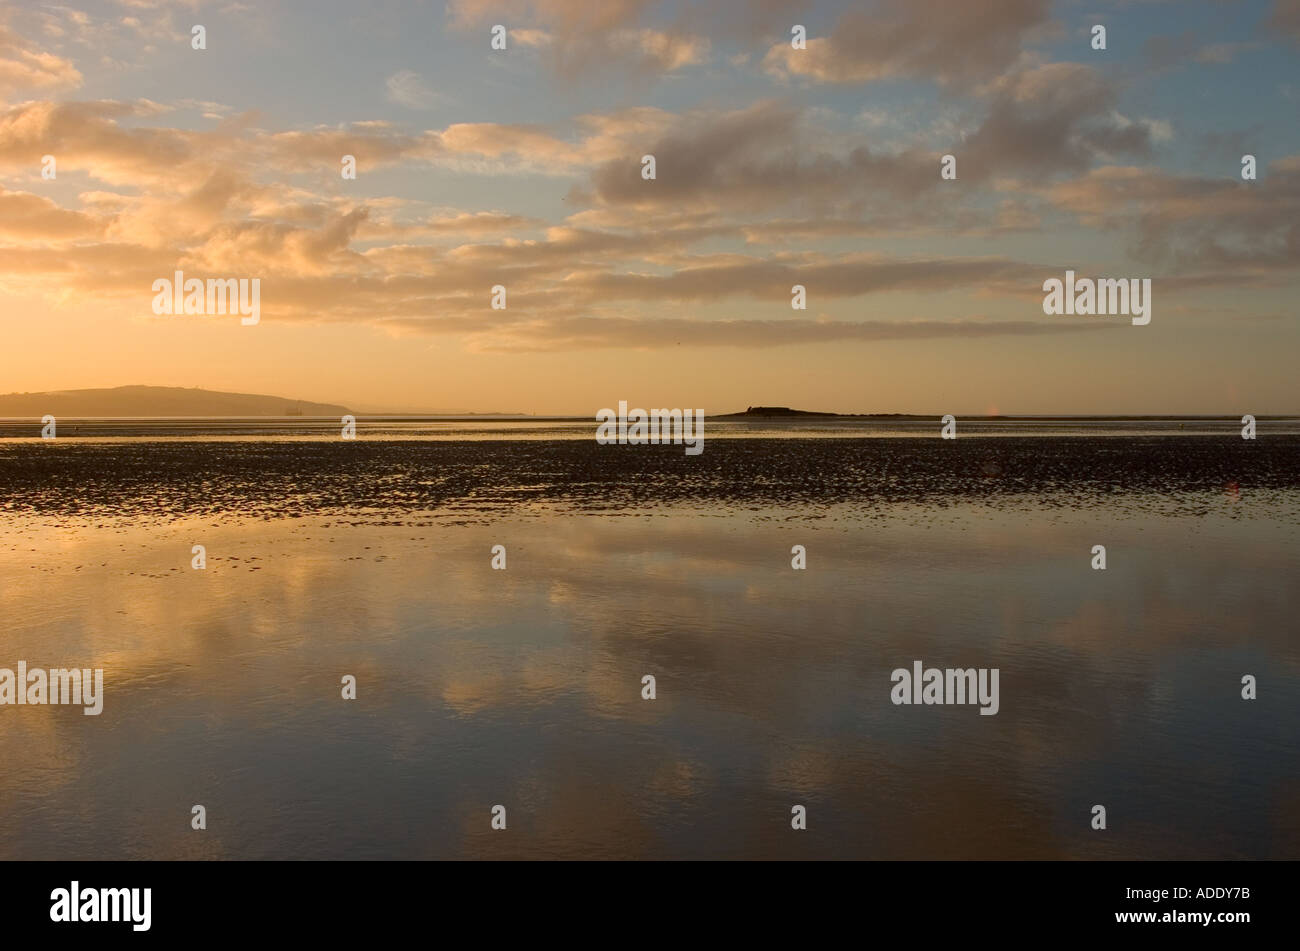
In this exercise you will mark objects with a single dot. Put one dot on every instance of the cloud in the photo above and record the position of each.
(659, 51)
(1185, 49)
(1227, 230)
(950, 43)
(580, 37)
(586, 333)
(537, 148)
(1285, 19)
(408, 88)
(1042, 121)
(753, 159)
(771, 277)
(372, 143)
(1049, 119)
(26, 217)
(24, 69)
(87, 135)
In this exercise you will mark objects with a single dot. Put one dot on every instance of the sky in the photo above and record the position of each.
(774, 166)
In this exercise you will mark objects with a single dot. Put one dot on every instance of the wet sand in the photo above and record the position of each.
(402, 479)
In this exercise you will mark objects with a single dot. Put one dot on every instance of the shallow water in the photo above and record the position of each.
(523, 687)
(463, 428)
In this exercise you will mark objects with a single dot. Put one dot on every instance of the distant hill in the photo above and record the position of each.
(158, 401)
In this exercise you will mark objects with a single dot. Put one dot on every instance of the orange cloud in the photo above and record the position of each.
(24, 69)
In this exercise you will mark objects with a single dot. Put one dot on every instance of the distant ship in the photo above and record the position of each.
(293, 411)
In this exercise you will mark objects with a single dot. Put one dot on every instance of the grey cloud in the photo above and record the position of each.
(949, 42)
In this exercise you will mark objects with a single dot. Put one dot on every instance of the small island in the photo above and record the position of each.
(772, 412)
